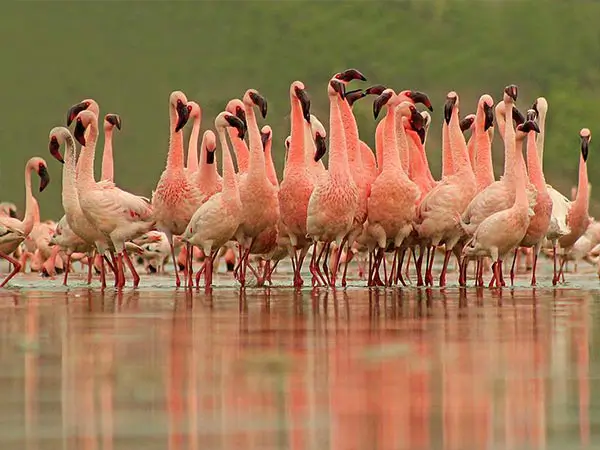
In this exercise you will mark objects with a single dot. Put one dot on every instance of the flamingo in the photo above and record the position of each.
(110, 122)
(334, 200)
(119, 215)
(578, 218)
(175, 198)
(502, 231)
(242, 154)
(484, 120)
(217, 220)
(259, 197)
(14, 231)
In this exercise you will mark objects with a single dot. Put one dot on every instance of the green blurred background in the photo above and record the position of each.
(129, 55)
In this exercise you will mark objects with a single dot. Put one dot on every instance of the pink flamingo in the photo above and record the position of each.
(298, 182)
(216, 220)
(259, 197)
(578, 218)
(540, 222)
(192, 155)
(334, 200)
(436, 216)
(12, 230)
(266, 137)
(498, 234)
(484, 119)
(176, 198)
(110, 122)
(119, 215)
(315, 146)
(242, 154)
(391, 206)
(207, 177)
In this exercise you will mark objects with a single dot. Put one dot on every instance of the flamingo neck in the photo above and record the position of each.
(297, 154)
(521, 200)
(107, 156)
(511, 162)
(31, 206)
(582, 198)
(458, 146)
(539, 140)
(230, 187)
(88, 153)
(379, 145)
(192, 156)
(402, 142)
(206, 173)
(419, 166)
(242, 154)
(471, 148)
(536, 174)
(309, 147)
(338, 159)
(70, 198)
(352, 138)
(257, 155)
(391, 154)
(175, 156)
(484, 168)
(271, 172)
(447, 165)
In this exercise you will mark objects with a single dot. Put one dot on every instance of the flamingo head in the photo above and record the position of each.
(349, 75)
(415, 119)
(335, 88)
(526, 127)
(111, 121)
(467, 122)
(236, 107)
(586, 136)
(226, 119)
(417, 97)
(319, 135)
(511, 93)
(356, 94)
(382, 100)
(451, 103)
(517, 116)
(83, 120)
(540, 106)
(266, 134)
(426, 119)
(253, 98)
(486, 103)
(9, 209)
(209, 142)
(298, 91)
(87, 104)
(531, 114)
(40, 166)
(195, 110)
(179, 102)
(375, 90)
(57, 136)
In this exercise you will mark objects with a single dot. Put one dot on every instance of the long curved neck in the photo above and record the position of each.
(458, 146)
(536, 174)
(419, 166)
(391, 154)
(402, 144)
(447, 164)
(309, 147)
(175, 156)
(31, 206)
(539, 140)
(88, 153)
(484, 169)
(582, 200)
(242, 154)
(379, 145)
(257, 156)
(471, 148)
(271, 172)
(230, 187)
(107, 156)
(338, 160)
(510, 159)
(207, 173)
(521, 200)
(192, 156)
(297, 154)
(351, 133)
(70, 198)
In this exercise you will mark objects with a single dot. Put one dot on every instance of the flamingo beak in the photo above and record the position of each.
(210, 156)
(321, 147)
(352, 96)
(79, 133)
(585, 142)
(238, 124)
(416, 119)
(531, 115)
(54, 148)
(518, 116)
(528, 126)
(489, 116)
(375, 90)
(448, 108)
(349, 75)
(304, 103)
(512, 91)
(338, 87)
(466, 123)
(264, 137)
(183, 115)
(74, 110)
(261, 102)
(423, 98)
(44, 177)
(421, 134)
(114, 120)
(241, 114)
(380, 102)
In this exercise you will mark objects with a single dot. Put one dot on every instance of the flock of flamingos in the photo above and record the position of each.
(384, 207)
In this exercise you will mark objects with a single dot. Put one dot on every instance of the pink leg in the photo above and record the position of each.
(535, 257)
(16, 268)
(200, 272)
(394, 268)
(337, 261)
(512, 268)
(419, 264)
(134, 274)
(445, 268)
(175, 266)
(102, 274)
(189, 265)
(67, 269)
(90, 267)
(429, 268)
(121, 273)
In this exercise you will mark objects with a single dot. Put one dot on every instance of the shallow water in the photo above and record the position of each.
(160, 368)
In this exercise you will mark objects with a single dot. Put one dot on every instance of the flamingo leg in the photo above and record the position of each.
(90, 267)
(535, 258)
(502, 283)
(394, 269)
(407, 269)
(325, 253)
(67, 269)
(174, 257)
(116, 266)
(102, 274)
(121, 278)
(429, 268)
(189, 271)
(445, 268)
(200, 272)
(512, 268)
(337, 260)
(16, 268)
(134, 274)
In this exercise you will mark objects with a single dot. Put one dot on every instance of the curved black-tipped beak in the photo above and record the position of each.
(79, 133)
(241, 114)
(585, 142)
(261, 102)
(210, 156)
(304, 103)
(530, 125)
(44, 177)
(74, 110)
(531, 114)
(466, 123)
(448, 108)
(421, 134)
(356, 94)
(349, 75)
(416, 119)
(423, 98)
(375, 90)
(12, 213)
(512, 91)
(338, 87)
(489, 116)
(183, 115)
(518, 116)
(238, 124)
(321, 147)
(535, 108)
(114, 120)
(54, 148)
(380, 102)
(264, 138)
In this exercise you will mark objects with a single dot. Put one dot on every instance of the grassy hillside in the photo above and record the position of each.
(130, 55)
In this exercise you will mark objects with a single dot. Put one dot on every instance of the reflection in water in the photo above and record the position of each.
(379, 369)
